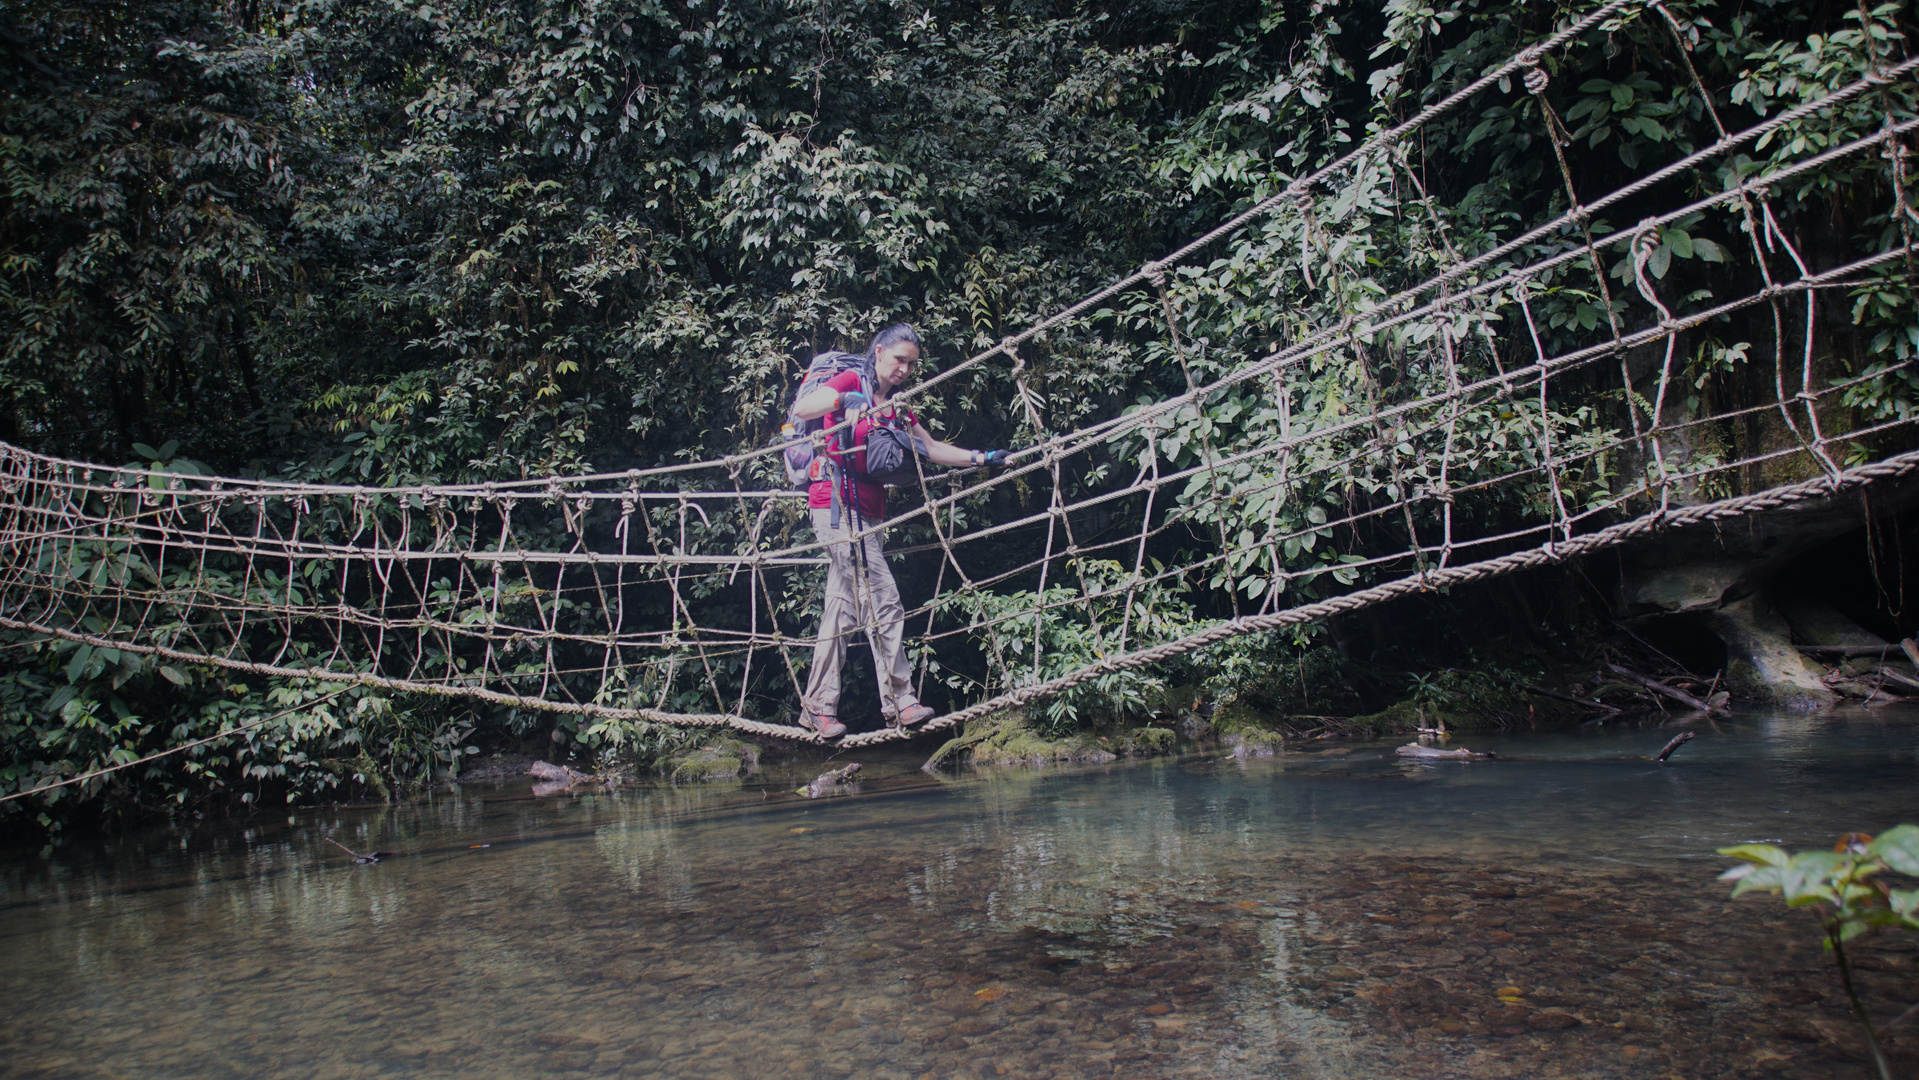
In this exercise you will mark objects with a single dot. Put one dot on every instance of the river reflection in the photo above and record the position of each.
(1329, 913)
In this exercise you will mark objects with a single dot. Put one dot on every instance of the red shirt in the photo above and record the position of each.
(872, 496)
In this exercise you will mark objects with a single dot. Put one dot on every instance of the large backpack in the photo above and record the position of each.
(797, 434)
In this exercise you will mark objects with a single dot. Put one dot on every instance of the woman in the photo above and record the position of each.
(859, 587)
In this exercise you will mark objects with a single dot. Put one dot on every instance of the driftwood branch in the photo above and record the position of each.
(1557, 696)
(1900, 1019)
(364, 860)
(1658, 687)
(1909, 647)
(1678, 741)
(1880, 651)
(1892, 676)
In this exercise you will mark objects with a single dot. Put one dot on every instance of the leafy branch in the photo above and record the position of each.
(1841, 887)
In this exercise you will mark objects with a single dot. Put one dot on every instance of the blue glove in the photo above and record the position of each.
(996, 458)
(853, 399)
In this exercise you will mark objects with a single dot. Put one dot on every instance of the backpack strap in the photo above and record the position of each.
(832, 474)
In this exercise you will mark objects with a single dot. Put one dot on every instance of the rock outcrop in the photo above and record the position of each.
(1732, 580)
(1761, 662)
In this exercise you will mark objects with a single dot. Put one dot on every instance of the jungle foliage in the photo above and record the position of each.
(386, 242)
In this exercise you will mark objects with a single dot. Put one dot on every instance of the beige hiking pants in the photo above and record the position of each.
(858, 598)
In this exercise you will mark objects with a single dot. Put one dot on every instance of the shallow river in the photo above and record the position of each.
(1327, 913)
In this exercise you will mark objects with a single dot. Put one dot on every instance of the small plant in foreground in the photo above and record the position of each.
(1842, 889)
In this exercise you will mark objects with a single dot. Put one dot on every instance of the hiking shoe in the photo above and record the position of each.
(913, 715)
(826, 727)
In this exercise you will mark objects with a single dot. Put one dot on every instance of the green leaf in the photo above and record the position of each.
(174, 675)
(1904, 903)
(1763, 854)
(60, 698)
(1710, 250)
(1812, 877)
(77, 667)
(1898, 848)
(146, 452)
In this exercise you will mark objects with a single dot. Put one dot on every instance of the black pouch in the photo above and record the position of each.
(889, 456)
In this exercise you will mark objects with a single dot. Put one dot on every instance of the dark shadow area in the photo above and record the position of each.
(1687, 641)
(1870, 575)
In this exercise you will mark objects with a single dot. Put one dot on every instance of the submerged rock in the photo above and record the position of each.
(833, 782)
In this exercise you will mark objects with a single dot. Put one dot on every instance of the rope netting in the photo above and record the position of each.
(683, 594)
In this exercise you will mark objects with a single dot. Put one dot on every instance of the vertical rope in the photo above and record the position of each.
(1753, 235)
(1056, 513)
(1157, 274)
(1545, 422)
(1805, 395)
(1537, 81)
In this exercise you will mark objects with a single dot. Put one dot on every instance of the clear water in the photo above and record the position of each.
(1327, 913)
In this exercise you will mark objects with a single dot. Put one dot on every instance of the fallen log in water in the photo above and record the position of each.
(1678, 741)
(363, 858)
(1414, 750)
(1658, 687)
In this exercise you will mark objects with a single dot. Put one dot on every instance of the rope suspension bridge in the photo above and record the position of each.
(665, 594)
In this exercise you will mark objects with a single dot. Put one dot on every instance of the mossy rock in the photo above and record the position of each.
(1145, 741)
(721, 759)
(1251, 743)
(1247, 731)
(1007, 737)
(1236, 717)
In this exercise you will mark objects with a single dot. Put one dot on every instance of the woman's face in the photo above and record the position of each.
(894, 363)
